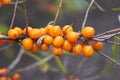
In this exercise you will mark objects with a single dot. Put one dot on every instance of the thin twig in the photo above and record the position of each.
(17, 60)
(14, 14)
(35, 64)
(58, 11)
(5, 47)
(109, 58)
(19, 2)
(86, 14)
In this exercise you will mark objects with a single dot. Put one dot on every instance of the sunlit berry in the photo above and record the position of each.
(57, 51)
(16, 76)
(88, 32)
(66, 29)
(77, 49)
(44, 47)
(35, 33)
(67, 45)
(88, 50)
(48, 27)
(28, 30)
(27, 43)
(3, 71)
(48, 39)
(19, 30)
(13, 33)
(97, 45)
(35, 47)
(58, 41)
(43, 31)
(72, 36)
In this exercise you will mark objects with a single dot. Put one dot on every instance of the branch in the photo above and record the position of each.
(17, 60)
(86, 14)
(14, 14)
(109, 58)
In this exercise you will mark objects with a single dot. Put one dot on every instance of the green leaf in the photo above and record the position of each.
(60, 64)
(3, 28)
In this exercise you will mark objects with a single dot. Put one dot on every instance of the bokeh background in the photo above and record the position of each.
(103, 16)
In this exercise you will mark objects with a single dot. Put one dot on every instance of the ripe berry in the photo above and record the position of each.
(55, 31)
(66, 29)
(88, 50)
(3, 78)
(34, 48)
(97, 45)
(48, 39)
(67, 45)
(48, 27)
(44, 47)
(29, 29)
(43, 31)
(16, 76)
(13, 33)
(27, 43)
(35, 33)
(57, 51)
(88, 32)
(58, 41)
(6, 1)
(72, 36)
(19, 30)
(3, 71)
(77, 49)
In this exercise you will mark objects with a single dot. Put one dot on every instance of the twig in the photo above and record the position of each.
(86, 14)
(5, 47)
(14, 14)
(109, 58)
(58, 11)
(35, 64)
(17, 60)
(19, 2)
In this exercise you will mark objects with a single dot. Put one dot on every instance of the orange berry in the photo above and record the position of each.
(3, 78)
(35, 33)
(88, 32)
(19, 30)
(66, 29)
(29, 29)
(27, 43)
(88, 50)
(58, 41)
(6, 1)
(34, 48)
(2, 41)
(97, 45)
(48, 39)
(67, 45)
(77, 49)
(72, 36)
(13, 33)
(16, 76)
(57, 51)
(3, 71)
(43, 31)
(48, 27)
(44, 47)
(55, 31)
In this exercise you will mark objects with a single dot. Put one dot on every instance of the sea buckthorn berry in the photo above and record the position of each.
(43, 31)
(48, 27)
(27, 43)
(29, 29)
(19, 30)
(66, 29)
(3, 71)
(57, 51)
(16, 76)
(34, 48)
(88, 32)
(67, 45)
(48, 39)
(13, 33)
(3, 78)
(72, 36)
(58, 41)
(44, 47)
(97, 45)
(55, 31)
(6, 1)
(35, 33)
(77, 49)
(88, 50)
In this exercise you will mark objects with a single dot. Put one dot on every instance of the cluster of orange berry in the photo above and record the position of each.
(5, 76)
(60, 39)
(4, 2)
